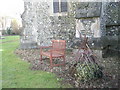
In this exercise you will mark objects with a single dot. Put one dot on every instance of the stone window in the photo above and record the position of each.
(60, 6)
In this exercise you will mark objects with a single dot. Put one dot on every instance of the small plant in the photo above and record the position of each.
(85, 67)
(89, 71)
(9, 31)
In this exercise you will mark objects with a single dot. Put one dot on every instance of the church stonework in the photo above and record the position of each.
(89, 27)
(98, 20)
(40, 27)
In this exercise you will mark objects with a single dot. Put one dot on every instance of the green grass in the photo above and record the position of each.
(16, 73)
(9, 38)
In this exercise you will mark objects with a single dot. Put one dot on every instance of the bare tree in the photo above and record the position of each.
(15, 27)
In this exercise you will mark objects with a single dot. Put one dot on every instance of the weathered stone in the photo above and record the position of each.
(89, 27)
(88, 9)
(112, 13)
(40, 27)
(96, 19)
(112, 30)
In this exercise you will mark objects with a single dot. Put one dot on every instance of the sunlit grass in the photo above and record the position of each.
(16, 72)
(9, 38)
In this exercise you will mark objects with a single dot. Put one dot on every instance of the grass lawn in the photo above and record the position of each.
(9, 38)
(16, 73)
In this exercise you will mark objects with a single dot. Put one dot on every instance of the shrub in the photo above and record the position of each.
(9, 31)
(88, 71)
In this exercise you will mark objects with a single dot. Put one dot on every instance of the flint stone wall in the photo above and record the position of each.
(108, 15)
(111, 36)
(89, 16)
(88, 9)
(39, 27)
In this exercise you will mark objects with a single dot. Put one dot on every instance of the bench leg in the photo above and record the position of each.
(51, 64)
(40, 57)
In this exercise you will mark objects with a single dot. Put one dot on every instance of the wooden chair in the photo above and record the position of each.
(57, 50)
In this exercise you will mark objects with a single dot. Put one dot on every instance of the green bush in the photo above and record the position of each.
(8, 31)
(88, 71)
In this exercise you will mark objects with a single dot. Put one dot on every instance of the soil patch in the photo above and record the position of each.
(110, 69)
